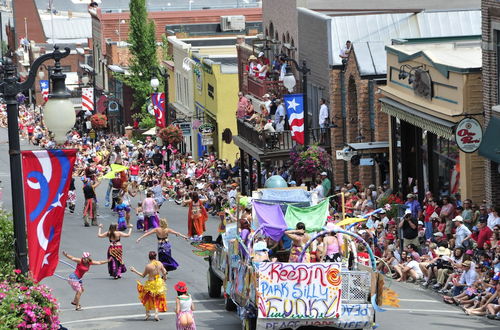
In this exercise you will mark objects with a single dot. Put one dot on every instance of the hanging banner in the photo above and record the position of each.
(299, 290)
(44, 89)
(46, 178)
(158, 101)
(468, 135)
(88, 99)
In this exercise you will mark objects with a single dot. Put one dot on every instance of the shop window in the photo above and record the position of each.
(211, 91)
(497, 49)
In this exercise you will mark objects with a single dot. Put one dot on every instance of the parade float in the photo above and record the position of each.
(283, 295)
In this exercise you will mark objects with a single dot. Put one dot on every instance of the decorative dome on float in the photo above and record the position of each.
(276, 181)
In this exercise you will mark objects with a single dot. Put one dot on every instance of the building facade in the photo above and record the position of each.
(430, 88)
(491, 102)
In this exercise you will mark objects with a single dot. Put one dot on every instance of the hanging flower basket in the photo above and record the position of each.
(99, 121)
(171, 134)
(308, 162)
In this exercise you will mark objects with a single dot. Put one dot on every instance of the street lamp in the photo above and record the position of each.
(289, 82)
(10, 87)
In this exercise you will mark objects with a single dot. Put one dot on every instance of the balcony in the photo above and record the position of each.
(258, 87)
(273, 146)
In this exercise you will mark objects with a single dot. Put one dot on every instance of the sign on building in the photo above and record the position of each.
(468, 135)
(185, 128)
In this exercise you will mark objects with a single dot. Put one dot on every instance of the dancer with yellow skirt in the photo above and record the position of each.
(152, 293)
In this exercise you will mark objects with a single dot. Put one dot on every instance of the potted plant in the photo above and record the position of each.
(171, 134)
(99, 121)
(308, 162)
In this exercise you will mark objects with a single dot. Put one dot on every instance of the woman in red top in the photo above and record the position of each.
(75, 278)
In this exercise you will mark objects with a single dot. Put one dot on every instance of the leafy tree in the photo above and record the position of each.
(6, 244)
(143, 58)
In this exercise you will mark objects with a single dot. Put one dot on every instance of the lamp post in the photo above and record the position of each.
(289, 82)
(155, 83)
(59, 119)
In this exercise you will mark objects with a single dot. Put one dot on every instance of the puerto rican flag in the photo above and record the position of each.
(88, 99)
(46, 178)
(44, 89)
(294, 104)
(158, 100)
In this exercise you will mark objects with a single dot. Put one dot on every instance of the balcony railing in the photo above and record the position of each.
(279, 141)
(259, 87)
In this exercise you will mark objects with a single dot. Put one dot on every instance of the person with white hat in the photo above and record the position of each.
(409, 226)
(326, 183)
(461, 232)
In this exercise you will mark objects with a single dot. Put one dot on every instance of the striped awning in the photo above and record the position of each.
(438, 126)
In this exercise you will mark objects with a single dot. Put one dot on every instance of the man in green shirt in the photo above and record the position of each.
(326, 183)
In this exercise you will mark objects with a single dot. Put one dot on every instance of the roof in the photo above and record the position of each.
(444, 56)
(152, 5)
(68, 30)
(370, 33)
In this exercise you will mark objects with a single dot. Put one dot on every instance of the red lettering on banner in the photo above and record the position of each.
(466, 136)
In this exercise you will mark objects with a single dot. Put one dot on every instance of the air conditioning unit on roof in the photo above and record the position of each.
(232, 23)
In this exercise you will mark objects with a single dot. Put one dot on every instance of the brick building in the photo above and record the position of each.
(491, 56)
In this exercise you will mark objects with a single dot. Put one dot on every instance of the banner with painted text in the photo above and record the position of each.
(299, 290)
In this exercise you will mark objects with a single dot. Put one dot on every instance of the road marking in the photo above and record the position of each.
(139, 304)
(128, 316)
(424, 310)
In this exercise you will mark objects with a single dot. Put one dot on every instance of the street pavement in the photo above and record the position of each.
(113, 304)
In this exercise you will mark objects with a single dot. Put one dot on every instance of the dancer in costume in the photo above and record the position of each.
(149, 207)
(164, 247)
(115, 250)
(153, 293)
(122, 208)
(75, 278)
(197, 216)
(299, 239)
(184, 308)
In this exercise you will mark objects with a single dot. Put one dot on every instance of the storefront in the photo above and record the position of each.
(430, 89)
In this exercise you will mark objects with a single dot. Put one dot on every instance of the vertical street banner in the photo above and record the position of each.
(88, 99)
(158, 101)
(294, 104)
(300, 291)
(46, 178)
(44, 89)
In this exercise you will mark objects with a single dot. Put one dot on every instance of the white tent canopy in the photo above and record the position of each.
(151, 131)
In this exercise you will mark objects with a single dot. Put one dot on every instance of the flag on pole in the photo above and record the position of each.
(88, 99)
(295, 110)
(158, 101)
(44, 89)
(46, 178)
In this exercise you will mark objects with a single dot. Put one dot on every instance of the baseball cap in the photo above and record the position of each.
(458, 218)
(260, 246)
(293, 182)
(407, 211)
(420, 223)
(261, 54)
(438, 234)
(410, 196)
(324, 173)
(85, 254)
(389, 236)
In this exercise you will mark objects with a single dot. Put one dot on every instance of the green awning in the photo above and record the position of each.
(490, 147)
(436, 125)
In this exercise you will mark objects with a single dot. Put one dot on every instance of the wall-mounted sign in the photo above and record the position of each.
(206, 128)
(366, 162)
(468, 135)
(113, 106)
(207, 140)
(185, 128)
(421, 83)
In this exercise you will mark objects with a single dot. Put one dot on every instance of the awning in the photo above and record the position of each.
(490, 147)
(417, 118)
(371, 147)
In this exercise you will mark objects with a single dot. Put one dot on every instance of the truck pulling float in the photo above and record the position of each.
(283, 295)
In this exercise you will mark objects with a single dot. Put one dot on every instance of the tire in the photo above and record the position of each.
(229, 305)
(214, 284)
(249, 324)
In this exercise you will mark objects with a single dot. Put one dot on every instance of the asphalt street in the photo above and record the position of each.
(113, 304)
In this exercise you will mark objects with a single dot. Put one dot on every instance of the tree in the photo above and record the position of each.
(143, 59)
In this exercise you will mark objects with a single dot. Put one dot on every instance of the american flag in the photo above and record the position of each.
(44, 89)
(88, 99)
(295, 110)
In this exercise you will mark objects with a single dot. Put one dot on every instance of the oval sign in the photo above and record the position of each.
(468, 135)
(206, 128)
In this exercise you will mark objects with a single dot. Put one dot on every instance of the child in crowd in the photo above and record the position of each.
(121, 208)
(140, 216)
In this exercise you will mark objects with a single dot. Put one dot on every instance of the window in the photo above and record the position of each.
(497, 49)
(211, 91)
